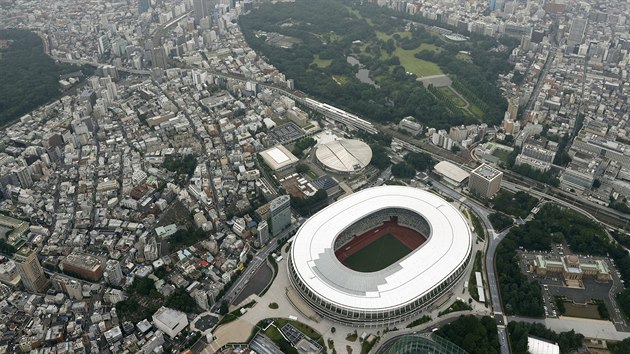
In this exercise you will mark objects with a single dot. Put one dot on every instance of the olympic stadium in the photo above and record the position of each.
(379, 256)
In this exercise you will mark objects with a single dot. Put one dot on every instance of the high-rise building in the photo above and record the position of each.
(159, 57)
(263, 232)
(151, 251)
(493, 5)
(485, 181)
(114, 272)
(200, 10)
(513, 108)
(32, 273)
(458, 134)
(280, 214)
(201, 298)
(24, 176)
(104, 45)
(576, 33)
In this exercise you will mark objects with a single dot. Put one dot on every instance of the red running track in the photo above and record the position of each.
(408, 237)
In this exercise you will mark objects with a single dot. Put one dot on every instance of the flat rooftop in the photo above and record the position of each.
(487, 172)
(278, 157)
(84, 261)
(451, 171)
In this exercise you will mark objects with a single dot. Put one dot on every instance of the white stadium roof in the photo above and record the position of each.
(346, 155)
(446, 249)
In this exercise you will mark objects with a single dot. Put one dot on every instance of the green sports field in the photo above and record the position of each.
(377, 255)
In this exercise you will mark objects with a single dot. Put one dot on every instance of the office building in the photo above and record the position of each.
(160, 59)
(69, 286)
(83, 265)
(538, 153)
(9, 274)
(24, 176)
(32, 273)
(263, 232)
(201, 9)
(576, 34)
(280, 214)
(485, 181)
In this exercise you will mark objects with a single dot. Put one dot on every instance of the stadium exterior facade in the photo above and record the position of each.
(396, 293)
(345, 156)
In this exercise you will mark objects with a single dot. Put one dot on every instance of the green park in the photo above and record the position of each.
(379, 64)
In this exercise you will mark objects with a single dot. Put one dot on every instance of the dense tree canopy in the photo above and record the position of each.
(29, 76)
(518, 204)
(184, 237)
(474, 335)
(568, 341)
(403, 170)
(308, 205)
(500, 221)
(422, 162)
(327, 31)
(184, 165)
(181, 300)
(622, 347)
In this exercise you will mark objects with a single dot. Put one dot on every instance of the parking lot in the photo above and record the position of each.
(553, 284)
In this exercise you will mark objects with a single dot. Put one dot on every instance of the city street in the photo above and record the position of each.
(493, 242)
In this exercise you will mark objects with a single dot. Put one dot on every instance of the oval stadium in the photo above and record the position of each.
(379, 256)
(345, 156)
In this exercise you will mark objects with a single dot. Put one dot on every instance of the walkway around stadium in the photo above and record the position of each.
(239, 331)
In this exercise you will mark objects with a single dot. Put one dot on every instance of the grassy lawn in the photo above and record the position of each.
(448, 92)
(588, 311)
(502, 154)
(476, 111)
(408, 61)
(382, 35)
(429, 47)
(378, 255)
(417, 66)
(322, 63)
(312, 175)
